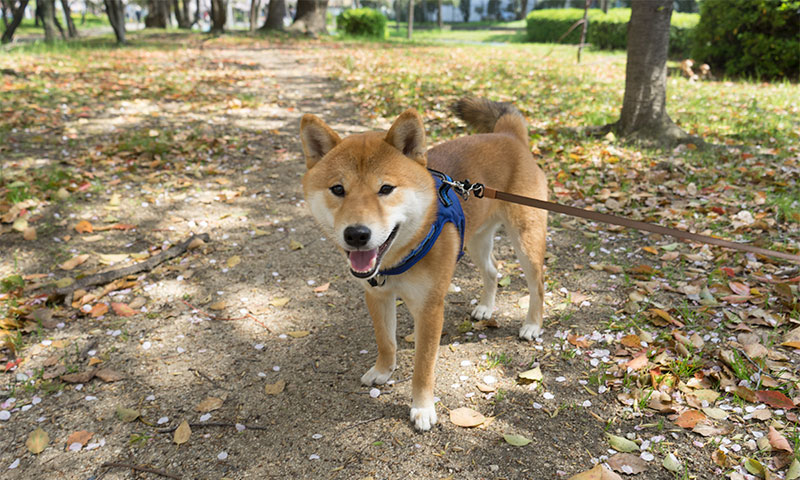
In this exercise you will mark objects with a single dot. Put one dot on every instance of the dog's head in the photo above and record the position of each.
(371, 191)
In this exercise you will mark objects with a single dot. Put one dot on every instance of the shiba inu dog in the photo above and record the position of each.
(402, 229)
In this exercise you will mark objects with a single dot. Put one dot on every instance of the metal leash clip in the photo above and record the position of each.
(464, 188)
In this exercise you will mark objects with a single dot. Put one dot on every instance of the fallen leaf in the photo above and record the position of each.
(127, 415)
(754, 466)
(81, 436)
(580, 342)
(672, 463)
(485, 388)
(794, 470)
(689, 419)
(599, 472)
(505, 281)
(182, 433)
(775, 399)
(279, 302)
(739, 288)
(621, 444)
(29, 234)
(322, 288)
(84, 227)
(466, 417)
(37, 441)
(627, 463)
(516, 440)
(122, 309)
(665, 316)
(108, 375)
(209, 404)
(274, 388)
(778, 441)
(532, 375)
(631, 341)
(218, 306)
(98, 310)
(112, 258)
(74, 262)
(233, 261)
(295, 245)
(637, 363)
(299, 333)
(708, 429)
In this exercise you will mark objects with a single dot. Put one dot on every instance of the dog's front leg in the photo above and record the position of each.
(383, 310)
(428, 320)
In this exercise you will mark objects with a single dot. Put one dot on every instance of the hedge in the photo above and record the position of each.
(750, 37)
(607, 31)
(362, 22)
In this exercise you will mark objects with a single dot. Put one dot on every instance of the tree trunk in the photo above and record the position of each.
(71, 30)
(4, 7)
(276, 12)
(157, 14)
(48, 20)
(116, 17)
(584, 26)
(254, 7)
(182, 14)
(644, 113)
(410, 18)
(16, 19)
(439, 15)
(219, 15)
(310, 17)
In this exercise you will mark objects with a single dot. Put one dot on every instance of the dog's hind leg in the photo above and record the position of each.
(528, 235)
(480, 251)
(383, 310)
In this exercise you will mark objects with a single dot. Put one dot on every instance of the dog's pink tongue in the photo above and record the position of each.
(363, 261)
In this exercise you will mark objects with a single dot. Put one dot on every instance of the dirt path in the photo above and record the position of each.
(268, 302)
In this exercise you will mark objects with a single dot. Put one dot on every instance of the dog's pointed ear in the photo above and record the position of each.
(408, 135)
(317, 137)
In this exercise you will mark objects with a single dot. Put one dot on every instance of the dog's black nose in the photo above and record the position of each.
(357, 235)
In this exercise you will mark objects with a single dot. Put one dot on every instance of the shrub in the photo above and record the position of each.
(362, 22)
(749, 37)
(607, 31)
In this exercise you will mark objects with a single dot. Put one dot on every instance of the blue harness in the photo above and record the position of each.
(449, 210)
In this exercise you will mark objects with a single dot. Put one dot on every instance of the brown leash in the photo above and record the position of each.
(465, 188)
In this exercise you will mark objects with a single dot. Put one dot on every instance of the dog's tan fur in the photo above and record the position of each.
(362, 164)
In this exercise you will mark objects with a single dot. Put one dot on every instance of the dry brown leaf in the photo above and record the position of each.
(37, 441)
(122, 309)
(233, 261)
(466, 417)
(599, 472)
(217, 306)
(74, 262)
(182, 433)
(778, 441)
(634, 463)
(108, 375)
(279, 302)
(632, 341)
(98, 310)
(82, 377)
(708, 429)
(689, 419)
(299, 333)
(81, 436)
(485, 388)
(84, 226)
(274, 388)
(29, 234)
(775, 399)
(322, 288)
(209, 404)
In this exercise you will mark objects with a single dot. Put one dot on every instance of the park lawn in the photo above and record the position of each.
(28, 26)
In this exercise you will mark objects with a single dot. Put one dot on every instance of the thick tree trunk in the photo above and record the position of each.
(644, 113)
(275, 15)
(16, 19)
(410, 18)
(157, 14)
(71, 30)
(254, 7)
(4, 7)
(116, 17)
(310, 17)
(48, 20)
(182, 14)
(219, 15)
(439, 15)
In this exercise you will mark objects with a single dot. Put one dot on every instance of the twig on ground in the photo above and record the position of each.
(209, 379)
(213, 424)
(359, 423)
(139, 468)
(111, 275)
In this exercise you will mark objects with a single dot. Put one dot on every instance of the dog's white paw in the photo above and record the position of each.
(482, 312)
(423, 418)
(529, 331)
(375, 377)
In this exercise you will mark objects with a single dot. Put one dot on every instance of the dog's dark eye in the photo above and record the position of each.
(386, 189)
(337, 190)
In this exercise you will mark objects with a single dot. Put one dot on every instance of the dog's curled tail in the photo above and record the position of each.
(487, 116)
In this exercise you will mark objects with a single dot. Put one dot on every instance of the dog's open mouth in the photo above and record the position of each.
(364, 263)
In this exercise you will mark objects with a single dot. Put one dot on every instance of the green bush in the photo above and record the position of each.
(362, 22)
(749, 37)
(607, 31)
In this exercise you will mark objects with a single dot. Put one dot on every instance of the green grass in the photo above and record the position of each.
(28, 27)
